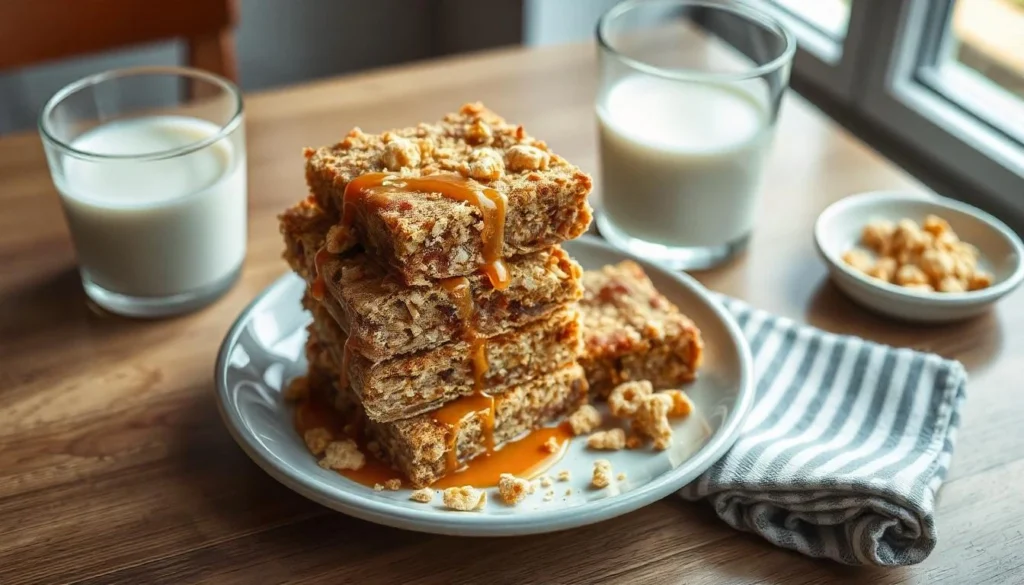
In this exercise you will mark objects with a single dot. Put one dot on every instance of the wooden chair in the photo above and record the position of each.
(34, 31)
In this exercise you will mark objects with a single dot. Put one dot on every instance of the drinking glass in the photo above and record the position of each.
(688, 97)
(151, 169)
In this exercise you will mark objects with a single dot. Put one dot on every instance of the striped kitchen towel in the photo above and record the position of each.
(845, 447)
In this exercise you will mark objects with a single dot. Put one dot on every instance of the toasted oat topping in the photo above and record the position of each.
(625, 398)
(464, 499)
(317, 440)
(341, 455)
(422, 495)
(611, 440)
(584, 420)
(523, 157)
(513, 489)
(393, 485)
(602, 477)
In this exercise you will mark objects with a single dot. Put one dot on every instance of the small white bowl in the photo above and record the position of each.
(839, 227)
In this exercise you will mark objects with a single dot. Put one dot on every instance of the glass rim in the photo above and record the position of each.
(741, 9)
(186, 72)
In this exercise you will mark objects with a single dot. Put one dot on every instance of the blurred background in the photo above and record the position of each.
(935, 85)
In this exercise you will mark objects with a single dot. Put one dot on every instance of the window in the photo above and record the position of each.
(830, 17)
(976, 60)
(944, 78)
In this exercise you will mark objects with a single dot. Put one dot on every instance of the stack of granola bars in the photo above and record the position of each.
(445, 313)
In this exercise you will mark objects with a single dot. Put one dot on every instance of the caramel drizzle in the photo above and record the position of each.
(480, 404)
(319, 287)
(490, 203)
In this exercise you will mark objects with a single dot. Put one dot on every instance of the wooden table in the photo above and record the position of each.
(115, 467)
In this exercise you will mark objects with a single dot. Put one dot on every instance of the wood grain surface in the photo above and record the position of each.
(115, 467)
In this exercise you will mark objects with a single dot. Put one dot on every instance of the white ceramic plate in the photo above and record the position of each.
(838, 229)
(264, 349)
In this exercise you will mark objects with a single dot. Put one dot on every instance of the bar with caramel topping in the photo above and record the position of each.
(424, 447)
(385, 318)
(449, 199)
(412, 384)
(632, 332)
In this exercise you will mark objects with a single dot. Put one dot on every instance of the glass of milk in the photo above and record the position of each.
(689, 94)
(150, 167)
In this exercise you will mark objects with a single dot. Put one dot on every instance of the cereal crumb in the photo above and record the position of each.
(979, 280)
(549, 495)
(568, 491)
(584, 420)
(858, 259)
(513, 489)
(393, 485)
(602, 474)
(342, 455)
(422, 495)
(681, 403)
(545, 481)
(626, 397)
(377, 487)
(464, 499)
(563, 475)
(651, 420)
(611, 440)
(400, 153)
(621, 477)
(523, 157)
(298, 389)
(317, 440)
(551, 445)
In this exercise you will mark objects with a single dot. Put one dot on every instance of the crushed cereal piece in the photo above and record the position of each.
(568, 491)
(523, 157)
(377, 487)
(979, 280)
(549, 495)
(681, 403)
(317, 440)
(422, 495)
(651, 420)
(393, 485)
(621, 477)
(545, 481)
(341, 455)
(858, 259)
(400, 153)
(951, 284)
(464, 499)
(551, 445)
(584, 420)
(626, 397)
(910, 274)
(298, 389)
(611, 440)
(563, 475)
(877, 235)
(513, 489)
(936, 225)
(884, 269)
(602, 477)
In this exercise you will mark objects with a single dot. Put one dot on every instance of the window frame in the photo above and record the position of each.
(894, 95)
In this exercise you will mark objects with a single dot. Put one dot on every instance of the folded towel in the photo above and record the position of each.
(845, 447)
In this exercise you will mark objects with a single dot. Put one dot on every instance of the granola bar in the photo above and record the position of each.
(425, 236)
(385, 318)
(408, 385)
(632, 332)
(419, 446)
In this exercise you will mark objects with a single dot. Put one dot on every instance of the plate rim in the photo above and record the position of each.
(526, 522)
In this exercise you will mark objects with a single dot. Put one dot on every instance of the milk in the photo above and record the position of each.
(680, 161)
(155, 228)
